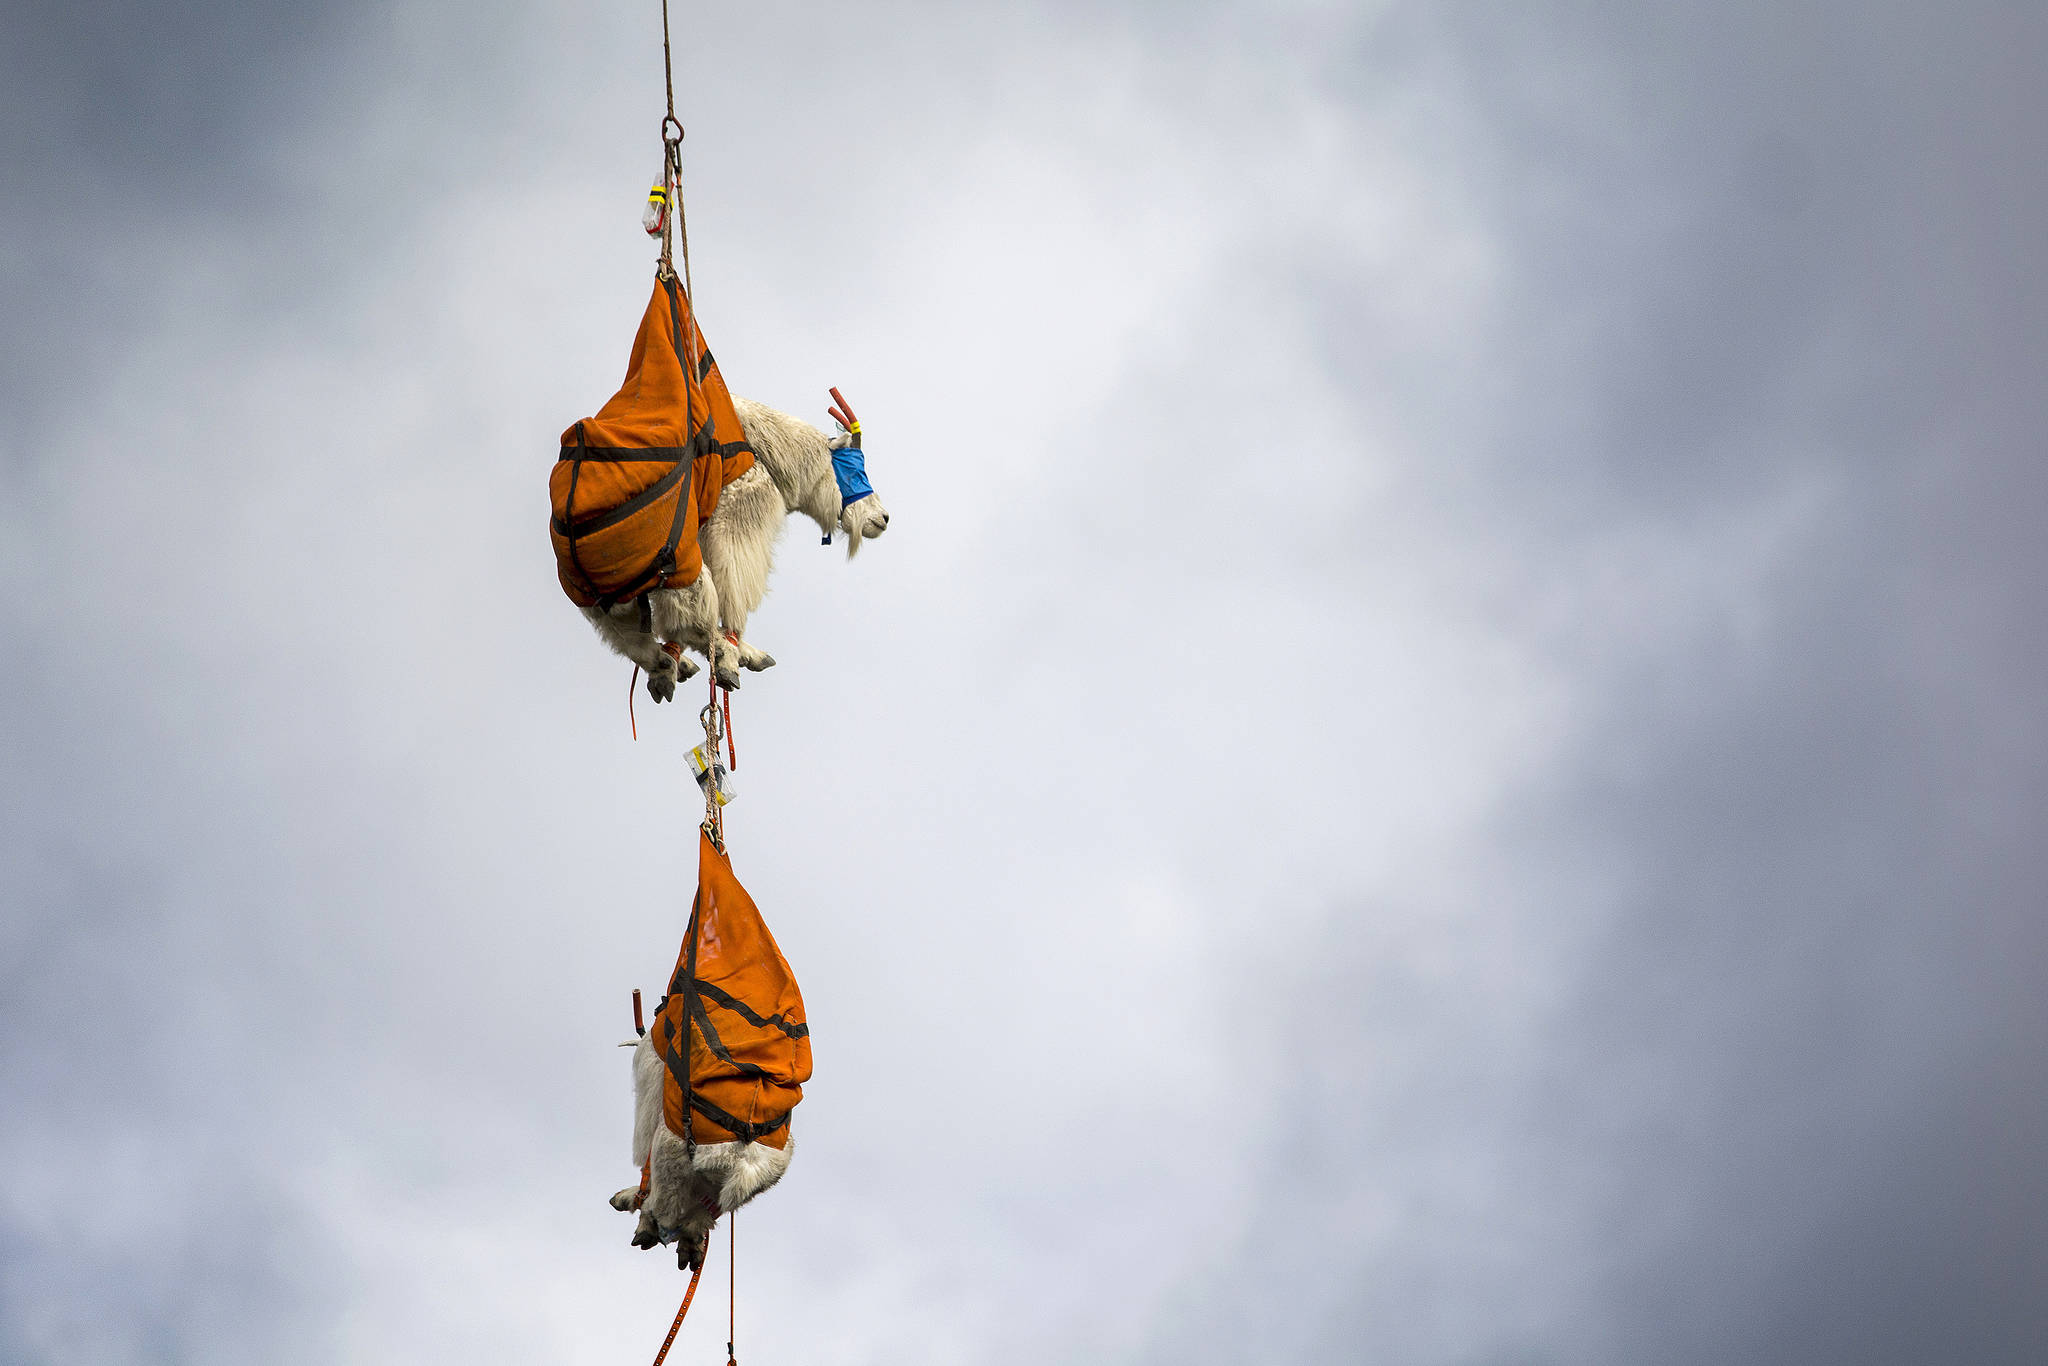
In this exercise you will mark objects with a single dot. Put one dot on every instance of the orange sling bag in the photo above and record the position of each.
(635, 482)
(731, 1031)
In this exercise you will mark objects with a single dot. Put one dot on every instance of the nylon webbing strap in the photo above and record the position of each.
(698, 437)
(569, 509)
(720, 1051)
(745, 1012)
(684, 355)
(745, 1132)
(572, 526)
(690, 1009)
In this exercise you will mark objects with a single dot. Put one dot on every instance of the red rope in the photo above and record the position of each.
(732, 1275)
(732, 758)
(688, 1295)
(633, 686)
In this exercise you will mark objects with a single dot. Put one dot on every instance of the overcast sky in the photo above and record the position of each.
(1442, 763)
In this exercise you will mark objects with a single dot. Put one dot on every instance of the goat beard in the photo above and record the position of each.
(854, 522)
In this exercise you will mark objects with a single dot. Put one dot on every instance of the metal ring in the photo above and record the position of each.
(666, 120)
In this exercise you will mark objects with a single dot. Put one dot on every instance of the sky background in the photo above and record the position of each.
(1442, 764)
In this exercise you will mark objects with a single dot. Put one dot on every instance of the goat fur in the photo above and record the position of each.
(685, 1198)
(792, 473)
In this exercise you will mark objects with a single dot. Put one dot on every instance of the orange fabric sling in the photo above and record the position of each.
(741, 1070)
(633, 483)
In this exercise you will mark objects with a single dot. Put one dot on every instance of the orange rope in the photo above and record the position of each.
(732, 757)
(688, 1295)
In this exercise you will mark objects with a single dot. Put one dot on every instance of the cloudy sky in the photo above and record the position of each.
(1442, 764)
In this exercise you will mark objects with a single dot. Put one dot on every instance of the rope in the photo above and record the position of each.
(683, 231)
(688, 1295)
(714, 815)
(672, 169)
(714, 824)
(633, 686)
(677, 221)
(732, 758)
(668, 74)
(732, 1275)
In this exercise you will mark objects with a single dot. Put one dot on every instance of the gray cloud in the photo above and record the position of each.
(1780, 1108)
(1591, 446)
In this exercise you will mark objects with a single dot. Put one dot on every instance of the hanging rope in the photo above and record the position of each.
(688, 1295)
(676, 221)
(668, 73)
(672, 168)
(732, 757)
(671, 146)
(717, 723)
(714, 813)
(732, 1275)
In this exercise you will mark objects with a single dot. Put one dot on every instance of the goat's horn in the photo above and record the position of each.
(842, 411)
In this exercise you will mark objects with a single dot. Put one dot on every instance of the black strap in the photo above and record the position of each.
(745, 1012)
(678, 1065)
(624, 455)
(675, 322)
(690, 1010)
(742, 1130)
(665, 562)
(610, 517)
(697, 440)
(569, 508)
(720, 1051)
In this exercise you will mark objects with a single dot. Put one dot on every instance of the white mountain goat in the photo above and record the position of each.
(684, 1196)
(795, 471)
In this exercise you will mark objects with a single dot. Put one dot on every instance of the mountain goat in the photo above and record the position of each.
(797, 469)
(719, 1072)
(684, 1192)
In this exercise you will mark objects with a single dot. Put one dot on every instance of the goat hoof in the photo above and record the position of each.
(661, 687)
(626, 1200)
(728, 679)
(760, 662)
